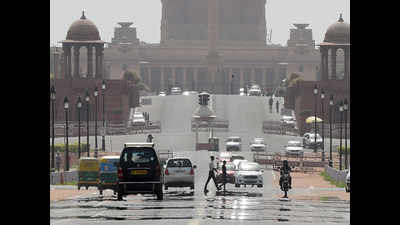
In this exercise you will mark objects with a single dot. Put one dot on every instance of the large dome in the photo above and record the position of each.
(338, 32)
(83, 30)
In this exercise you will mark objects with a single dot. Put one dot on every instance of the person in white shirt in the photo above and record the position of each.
(211, 175)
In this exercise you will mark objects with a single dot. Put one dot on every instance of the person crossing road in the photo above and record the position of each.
(211, 175)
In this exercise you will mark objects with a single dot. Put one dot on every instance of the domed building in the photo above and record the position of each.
(83, 33)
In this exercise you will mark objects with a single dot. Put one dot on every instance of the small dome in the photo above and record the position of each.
(338, 32)
(83, 30)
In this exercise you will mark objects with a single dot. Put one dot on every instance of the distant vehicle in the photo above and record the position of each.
(288, 121)
(258, 145)
(230, 173)
(162, 94)
(138, 119)
(255, 90)
(190, 93)
(249, 173)
(347, 186)
(179, 172)
(225, 156)
(176, 91)
(234, 157)
(139, 171)
(233, 144)
(294, 148)
(241, 92)
(309, 140)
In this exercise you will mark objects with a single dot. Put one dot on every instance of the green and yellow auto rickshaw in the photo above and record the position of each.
(108, 175)
(88, 173)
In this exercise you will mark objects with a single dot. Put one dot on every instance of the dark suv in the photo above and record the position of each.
(139, 171)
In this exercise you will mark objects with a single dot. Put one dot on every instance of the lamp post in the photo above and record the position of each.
(323, 118)
(103, 141)
(87, 98)
(330, 130)
(345, 107)
(340, 142)
(52, 98)
(79, 106)
(66, 107)
(96, 93)
(315, 118)
(232, 84)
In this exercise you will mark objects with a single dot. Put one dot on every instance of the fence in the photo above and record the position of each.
(216, 125)
(276, 127)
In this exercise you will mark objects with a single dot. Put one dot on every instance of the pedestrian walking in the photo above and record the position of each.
(211, 175)
(149, 138)
(223, 175)
(277, 106)
(271, 102)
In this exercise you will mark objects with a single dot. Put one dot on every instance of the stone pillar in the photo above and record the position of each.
(89, 61)
(185, 86)
(99, 62)
(76, 61)
(241, 77)
(162, 83)
(56, 64)
(195, 76)
(62, 64)
(322, 69)
(346, 63)
(67, 61)
(333, 63)
(263, 85)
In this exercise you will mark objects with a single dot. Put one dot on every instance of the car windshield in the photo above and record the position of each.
(258, 141)
(312, 135)
(233, 140)
(249, 166)
(179, 163)
(294, 144)
(139, 155)
(235, 157)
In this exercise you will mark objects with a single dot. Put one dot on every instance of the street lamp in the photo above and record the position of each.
(87, 98)
(103, 141)
(52, 98)
(232, 84)
(345, 108)
(96, 92)
(323, 118)
(79, 106)
(330, 130)
(315, 118)
(66, 107)
(340, 148)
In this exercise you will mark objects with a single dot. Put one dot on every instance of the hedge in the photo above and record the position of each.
(73, 147)
(343, 149)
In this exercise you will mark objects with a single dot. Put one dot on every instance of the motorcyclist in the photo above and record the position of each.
(285, 169)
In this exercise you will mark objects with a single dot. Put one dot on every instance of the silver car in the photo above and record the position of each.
(179, 172)
(258, 145)
(233, 144)
(309, 140)
(176, 91)
(294, 148)
(249, 173)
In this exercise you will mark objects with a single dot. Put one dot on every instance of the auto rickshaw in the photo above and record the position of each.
(108, 175)
(88, 173)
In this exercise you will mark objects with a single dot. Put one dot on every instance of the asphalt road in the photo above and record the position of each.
(250, 205)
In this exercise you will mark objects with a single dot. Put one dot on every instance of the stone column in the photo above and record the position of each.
(76, 61)
(89, 61)
(62, 64)
(185, 86)
(162, 83)
(67, 61)
(264, 71)
(322, 69)
(333, 63)
(56, 64)
(241, 77)
(346, 63)
(99, 62)
(195, 75)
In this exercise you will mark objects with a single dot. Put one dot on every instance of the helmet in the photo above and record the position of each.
(212, 157)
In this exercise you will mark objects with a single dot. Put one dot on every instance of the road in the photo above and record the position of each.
(245, 206)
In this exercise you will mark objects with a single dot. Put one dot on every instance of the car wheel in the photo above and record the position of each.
(159, 192)
(237, 185)
(79, 187)
(119, 196)
(259, 185)
(87, 187)
(101, 192)
(192, 187)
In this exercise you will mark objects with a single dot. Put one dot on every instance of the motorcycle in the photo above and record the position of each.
(285, 184)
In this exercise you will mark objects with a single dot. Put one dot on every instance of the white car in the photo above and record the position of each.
(162, 94)
(255, 90)
(294, 148)
(241, 92)
(138, 119)
(288, 121)
(176, 91)
(258, 145)
(179, 172)
(249, 173)
(233, 144)
(347, 186)
(309, 140)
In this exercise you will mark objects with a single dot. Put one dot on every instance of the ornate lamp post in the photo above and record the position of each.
(87, 98)
(323, 118)
(103, 141)
(340, 148)
(79, 106)
(330, 130)
(315, 118)
(96, 93)
(66, 107)
(345, 108)
(52, 98)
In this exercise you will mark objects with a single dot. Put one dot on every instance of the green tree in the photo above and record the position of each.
(136, 80)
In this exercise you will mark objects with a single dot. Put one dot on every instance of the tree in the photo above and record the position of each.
(136, 80)
(293, 79)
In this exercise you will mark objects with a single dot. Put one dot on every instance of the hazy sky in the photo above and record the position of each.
(146, 17)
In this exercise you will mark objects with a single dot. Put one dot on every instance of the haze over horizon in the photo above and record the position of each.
(146, 17)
